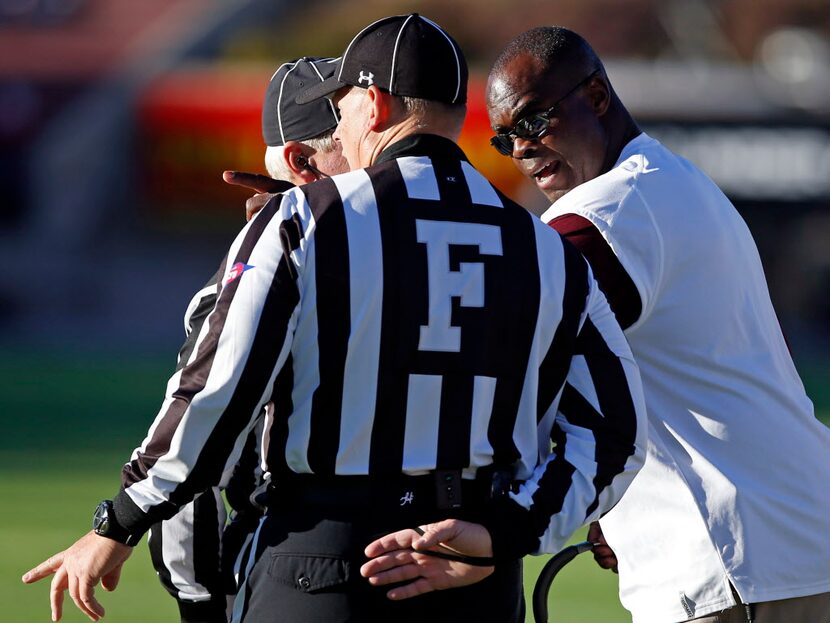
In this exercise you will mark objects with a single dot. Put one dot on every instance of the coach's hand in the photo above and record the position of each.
(603, 554)
(395, 558)
(264, 186)
(78, 569)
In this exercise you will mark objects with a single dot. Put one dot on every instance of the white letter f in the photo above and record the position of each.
(467, 283)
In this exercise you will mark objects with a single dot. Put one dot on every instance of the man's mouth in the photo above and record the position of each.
(545, 174)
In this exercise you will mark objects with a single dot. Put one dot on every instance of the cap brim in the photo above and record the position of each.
(321, 89)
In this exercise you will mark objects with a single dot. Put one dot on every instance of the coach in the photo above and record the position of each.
(731, 511)
(418, 333)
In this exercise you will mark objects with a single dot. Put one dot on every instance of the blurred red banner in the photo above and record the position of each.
(195, 123)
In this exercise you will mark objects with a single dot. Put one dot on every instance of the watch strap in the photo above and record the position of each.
(105, 523)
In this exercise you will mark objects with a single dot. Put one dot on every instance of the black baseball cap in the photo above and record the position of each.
(282, 119)
(404, 55)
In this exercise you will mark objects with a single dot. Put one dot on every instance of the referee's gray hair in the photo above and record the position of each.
(275, 164)
(322, 142)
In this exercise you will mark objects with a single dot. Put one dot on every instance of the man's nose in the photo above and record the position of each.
(524, 147)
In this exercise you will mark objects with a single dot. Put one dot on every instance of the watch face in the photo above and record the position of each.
(100, 521)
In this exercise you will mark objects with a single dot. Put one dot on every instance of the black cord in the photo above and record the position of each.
(448, 554)
(548, 573)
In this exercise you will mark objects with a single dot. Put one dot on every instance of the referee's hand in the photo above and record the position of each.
(90, 560)
(395, 558)
(262, 185)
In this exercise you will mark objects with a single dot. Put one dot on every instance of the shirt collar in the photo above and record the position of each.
(632, 147)
(430, 145)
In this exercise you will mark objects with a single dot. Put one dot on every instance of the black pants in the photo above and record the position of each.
(307, 570)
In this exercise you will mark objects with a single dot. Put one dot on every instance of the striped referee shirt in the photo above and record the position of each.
(185, 549)
(404, 318)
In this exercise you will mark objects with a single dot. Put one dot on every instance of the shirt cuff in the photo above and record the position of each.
(511, 529)
(134, 520)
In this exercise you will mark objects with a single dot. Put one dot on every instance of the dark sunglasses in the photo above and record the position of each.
(534, 126)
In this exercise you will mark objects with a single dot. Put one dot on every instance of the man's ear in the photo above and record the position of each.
(380, 108)
(297, 161)
(599, 94)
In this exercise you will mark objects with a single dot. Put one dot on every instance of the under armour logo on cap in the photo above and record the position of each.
(406, 55)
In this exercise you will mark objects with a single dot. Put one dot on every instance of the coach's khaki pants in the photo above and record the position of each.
(811, 609)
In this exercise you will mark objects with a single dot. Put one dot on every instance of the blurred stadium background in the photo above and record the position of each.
(118, 117)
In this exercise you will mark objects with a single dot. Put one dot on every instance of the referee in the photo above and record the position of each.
(194, 553)
(417, 332)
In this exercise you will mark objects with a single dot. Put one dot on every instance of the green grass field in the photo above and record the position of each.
(69, 424)
(54, 511)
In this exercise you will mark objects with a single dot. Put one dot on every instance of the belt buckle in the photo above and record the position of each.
(447, 488)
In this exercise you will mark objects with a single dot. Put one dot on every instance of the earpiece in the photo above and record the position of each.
(303, 163)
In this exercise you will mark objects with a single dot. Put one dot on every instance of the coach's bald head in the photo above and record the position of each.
(553, 72)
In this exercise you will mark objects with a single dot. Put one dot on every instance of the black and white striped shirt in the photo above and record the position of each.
(189, 552)
(404, 318)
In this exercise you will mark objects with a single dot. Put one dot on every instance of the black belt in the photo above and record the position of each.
(441, 489)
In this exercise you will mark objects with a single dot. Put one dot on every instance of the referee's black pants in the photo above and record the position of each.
(310, 549)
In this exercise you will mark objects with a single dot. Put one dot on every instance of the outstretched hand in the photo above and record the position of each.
(396, 558)
(265, 187)
(91, 559)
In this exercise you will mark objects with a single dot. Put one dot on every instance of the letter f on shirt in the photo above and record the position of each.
(467, 283)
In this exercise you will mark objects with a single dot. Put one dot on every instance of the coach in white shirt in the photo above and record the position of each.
(731, 511)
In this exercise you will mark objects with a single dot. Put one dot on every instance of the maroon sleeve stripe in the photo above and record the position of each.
(614, 281)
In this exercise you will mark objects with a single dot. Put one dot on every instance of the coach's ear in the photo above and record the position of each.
(381, 109)
(296, 159)
(599, 94)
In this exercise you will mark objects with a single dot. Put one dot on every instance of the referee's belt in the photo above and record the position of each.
(440, 489)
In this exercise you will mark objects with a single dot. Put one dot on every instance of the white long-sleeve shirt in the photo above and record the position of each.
(735, 483)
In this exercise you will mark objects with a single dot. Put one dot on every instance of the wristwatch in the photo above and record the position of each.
(105, 524)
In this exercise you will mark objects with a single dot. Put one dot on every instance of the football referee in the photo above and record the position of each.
(417, 332)
(195, 553)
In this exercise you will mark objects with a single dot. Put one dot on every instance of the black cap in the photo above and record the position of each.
(404, 55)
(282, 119)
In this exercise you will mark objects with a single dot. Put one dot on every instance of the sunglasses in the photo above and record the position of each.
(532, 127)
